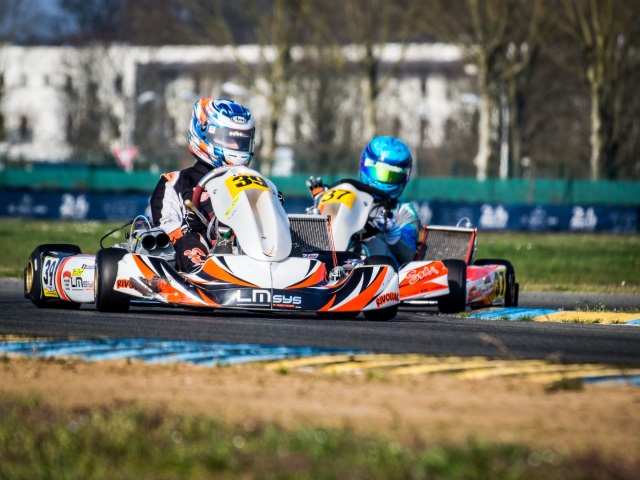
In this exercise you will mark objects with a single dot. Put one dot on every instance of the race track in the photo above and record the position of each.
(412, 331)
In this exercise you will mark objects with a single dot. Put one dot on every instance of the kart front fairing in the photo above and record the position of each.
(239, 282)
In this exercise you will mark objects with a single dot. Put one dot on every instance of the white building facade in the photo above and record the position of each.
(421, 97)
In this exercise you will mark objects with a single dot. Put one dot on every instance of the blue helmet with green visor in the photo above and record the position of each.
(386, 164)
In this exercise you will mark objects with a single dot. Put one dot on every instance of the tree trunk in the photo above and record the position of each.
(596, 138)
(484, 126)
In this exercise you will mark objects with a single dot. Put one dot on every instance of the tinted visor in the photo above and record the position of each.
(385, 173)
(231, 138)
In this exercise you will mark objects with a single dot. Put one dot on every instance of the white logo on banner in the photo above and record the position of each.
(425, 213)
(583, 219)
(74, 208)
(493, 218)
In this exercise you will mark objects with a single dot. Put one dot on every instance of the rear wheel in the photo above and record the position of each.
(106, 272)
(388, 313)
(513, 289)
(456, 300)
(33, 276)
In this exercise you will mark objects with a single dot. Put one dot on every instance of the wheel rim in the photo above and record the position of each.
(29, 277)
(95, 281)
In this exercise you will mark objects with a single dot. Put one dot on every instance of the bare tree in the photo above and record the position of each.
(277, 26)
(607, 34)
(367, 27)
(499, 38)
(91, 125)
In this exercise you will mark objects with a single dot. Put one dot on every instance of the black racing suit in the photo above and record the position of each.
(169, 213)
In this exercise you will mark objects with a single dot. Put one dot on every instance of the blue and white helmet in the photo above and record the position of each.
(386, 164)
(221, 133)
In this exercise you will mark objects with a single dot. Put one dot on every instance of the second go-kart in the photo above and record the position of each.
(443, 270)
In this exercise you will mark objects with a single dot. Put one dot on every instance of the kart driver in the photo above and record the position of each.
(221, 133)
(385, 164)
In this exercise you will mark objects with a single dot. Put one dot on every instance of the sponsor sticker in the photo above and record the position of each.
(347, 197)
(49, 266)
(238, 183)
(414, 276)
(386, 298)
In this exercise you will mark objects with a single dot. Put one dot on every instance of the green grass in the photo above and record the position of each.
(542, 261)
(568, 261)
(38, 440)
(18, 238)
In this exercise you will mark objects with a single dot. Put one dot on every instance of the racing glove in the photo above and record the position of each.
(389, 228)
(315, 186)
(192, 223)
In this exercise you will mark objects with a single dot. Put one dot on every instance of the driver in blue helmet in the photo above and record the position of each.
(385, 164)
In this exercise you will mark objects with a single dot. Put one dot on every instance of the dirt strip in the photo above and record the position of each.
(604, 419)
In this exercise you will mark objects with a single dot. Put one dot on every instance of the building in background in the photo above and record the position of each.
(69, 104)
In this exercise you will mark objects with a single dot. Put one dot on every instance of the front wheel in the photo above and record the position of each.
(456, 300)
(513, 289)
(382, 315)
(106, 272)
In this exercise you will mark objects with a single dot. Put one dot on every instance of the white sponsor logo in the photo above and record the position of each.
(494, 217)
(414, 276)
(583, 219)
(239, 119)
(264, 297)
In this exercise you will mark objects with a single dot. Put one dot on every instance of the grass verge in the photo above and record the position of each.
(543, 261)
(127, 441)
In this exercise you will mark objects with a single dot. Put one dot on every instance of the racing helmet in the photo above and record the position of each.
(221, 133)
(386, 164)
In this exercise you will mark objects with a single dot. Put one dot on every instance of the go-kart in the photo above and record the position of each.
(261, 259)
(443, 270)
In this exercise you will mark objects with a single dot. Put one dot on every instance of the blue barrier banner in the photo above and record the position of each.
(517, 217)
(72, 206)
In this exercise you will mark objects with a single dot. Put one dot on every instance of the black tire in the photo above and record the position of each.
(33, 276)
(456, 300)
(107, 299)
(512, 288)
(384, 314)
(381, 260)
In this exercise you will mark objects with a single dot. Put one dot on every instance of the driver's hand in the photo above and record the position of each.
(191, 223)
(388, 226)
(315, 186)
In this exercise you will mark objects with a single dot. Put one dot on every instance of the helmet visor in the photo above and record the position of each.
(241, 140)
(385, 173)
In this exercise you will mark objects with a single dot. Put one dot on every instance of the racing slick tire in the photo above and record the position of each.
(456, 300)
(107, 299)
(33, 276)
(388, 313)
(513, 288)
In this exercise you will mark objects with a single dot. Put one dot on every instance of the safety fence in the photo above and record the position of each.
(91, 179)
(515, 216)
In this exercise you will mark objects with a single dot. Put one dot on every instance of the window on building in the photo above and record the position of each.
(24, 130)
(68, 84)
(117, 84)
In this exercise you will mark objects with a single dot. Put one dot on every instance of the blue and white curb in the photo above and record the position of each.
(164, 351)
(554, 315)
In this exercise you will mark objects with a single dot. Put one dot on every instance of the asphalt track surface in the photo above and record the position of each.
(414, 330)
